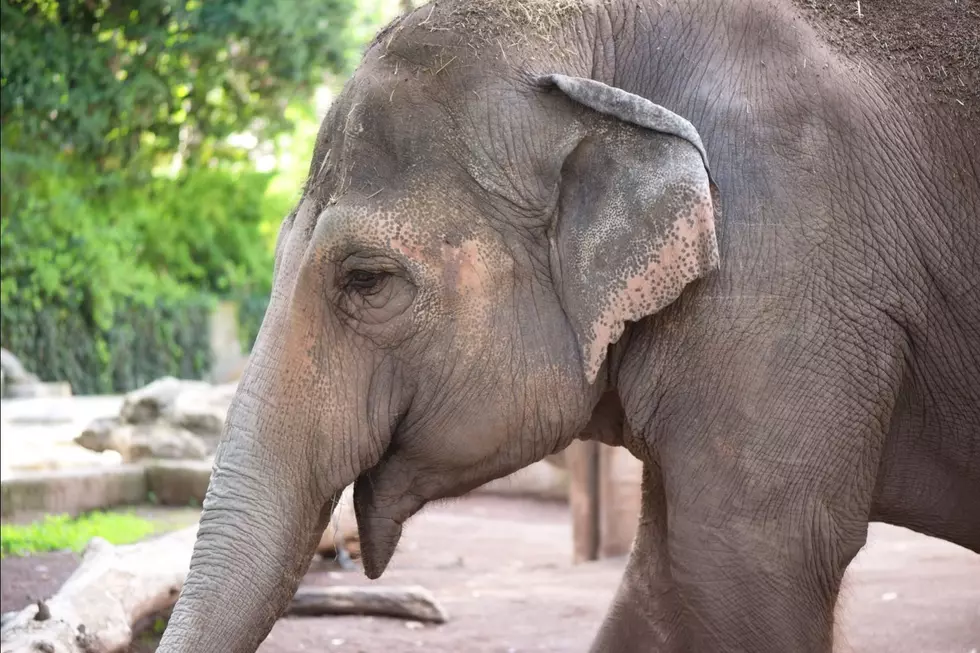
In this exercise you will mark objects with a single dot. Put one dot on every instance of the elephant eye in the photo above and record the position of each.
(372, 289)
(365, 282)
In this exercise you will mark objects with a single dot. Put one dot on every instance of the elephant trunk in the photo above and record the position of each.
(263, 515)
(292, 443)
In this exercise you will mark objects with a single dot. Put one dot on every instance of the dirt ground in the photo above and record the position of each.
(500, 567)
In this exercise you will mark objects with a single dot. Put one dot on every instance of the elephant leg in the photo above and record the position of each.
(698, 581)
(746, 586)
(737, 586)
(645, 614)
(768, 476)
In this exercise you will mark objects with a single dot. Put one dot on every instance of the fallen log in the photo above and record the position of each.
(117, 587)
(411, 602)
(112, 589)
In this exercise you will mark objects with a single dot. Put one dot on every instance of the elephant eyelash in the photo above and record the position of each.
(366, 282)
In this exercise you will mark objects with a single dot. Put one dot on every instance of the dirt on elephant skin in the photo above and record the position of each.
(930, 44)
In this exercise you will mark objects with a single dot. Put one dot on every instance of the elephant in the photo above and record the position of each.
(717, 234)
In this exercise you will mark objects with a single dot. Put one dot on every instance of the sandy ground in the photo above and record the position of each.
(500, 566)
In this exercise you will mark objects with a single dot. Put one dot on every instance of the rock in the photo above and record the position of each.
(178, 482)
(224, 392)
(61, 457)
(104, 434)
(13, 370)
(72, 491)
(51, 418)
(17, 382)
(153, 401)
(169, 418)
(117, 587)
(202, 412)
(38, 390)
(194, 406)
(139, 441)
(165, 441)
(100, 604)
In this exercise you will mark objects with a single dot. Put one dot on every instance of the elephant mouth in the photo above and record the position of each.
(380, 516)
(388, 494)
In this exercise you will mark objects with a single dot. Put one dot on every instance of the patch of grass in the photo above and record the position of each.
(61, 532)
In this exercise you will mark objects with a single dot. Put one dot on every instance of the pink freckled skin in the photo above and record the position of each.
(406, 249)
(464, 267)
(675, 264)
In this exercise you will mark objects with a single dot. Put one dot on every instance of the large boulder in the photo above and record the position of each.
(196, 406)
(17, 382)
(139, 441)
(170, 418)
(104, 434)
(12, 371)
(201, 410)
(156, 400)
(165, 441)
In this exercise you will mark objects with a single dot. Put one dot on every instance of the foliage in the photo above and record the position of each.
(112, 81)
(108, 286)
(129, 195)
(205, 230)
(142, 342)
(61, 532)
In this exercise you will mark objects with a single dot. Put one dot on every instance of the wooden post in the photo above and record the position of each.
(620, 478)
(604, 496)
(582, 463)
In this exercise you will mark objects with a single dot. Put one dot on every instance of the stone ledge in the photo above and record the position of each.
(178, 482)
(72, 491)
(37, 390)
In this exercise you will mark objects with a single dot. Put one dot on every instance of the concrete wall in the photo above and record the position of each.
(228, 359)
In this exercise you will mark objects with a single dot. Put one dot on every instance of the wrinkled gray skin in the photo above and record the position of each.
(450, 290)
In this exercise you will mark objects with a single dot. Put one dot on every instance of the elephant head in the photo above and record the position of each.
(475, 232)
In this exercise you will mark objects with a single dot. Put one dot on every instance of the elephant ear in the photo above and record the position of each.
(635, 222)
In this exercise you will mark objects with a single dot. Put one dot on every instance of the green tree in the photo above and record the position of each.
(123, 198)
(114, 81)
